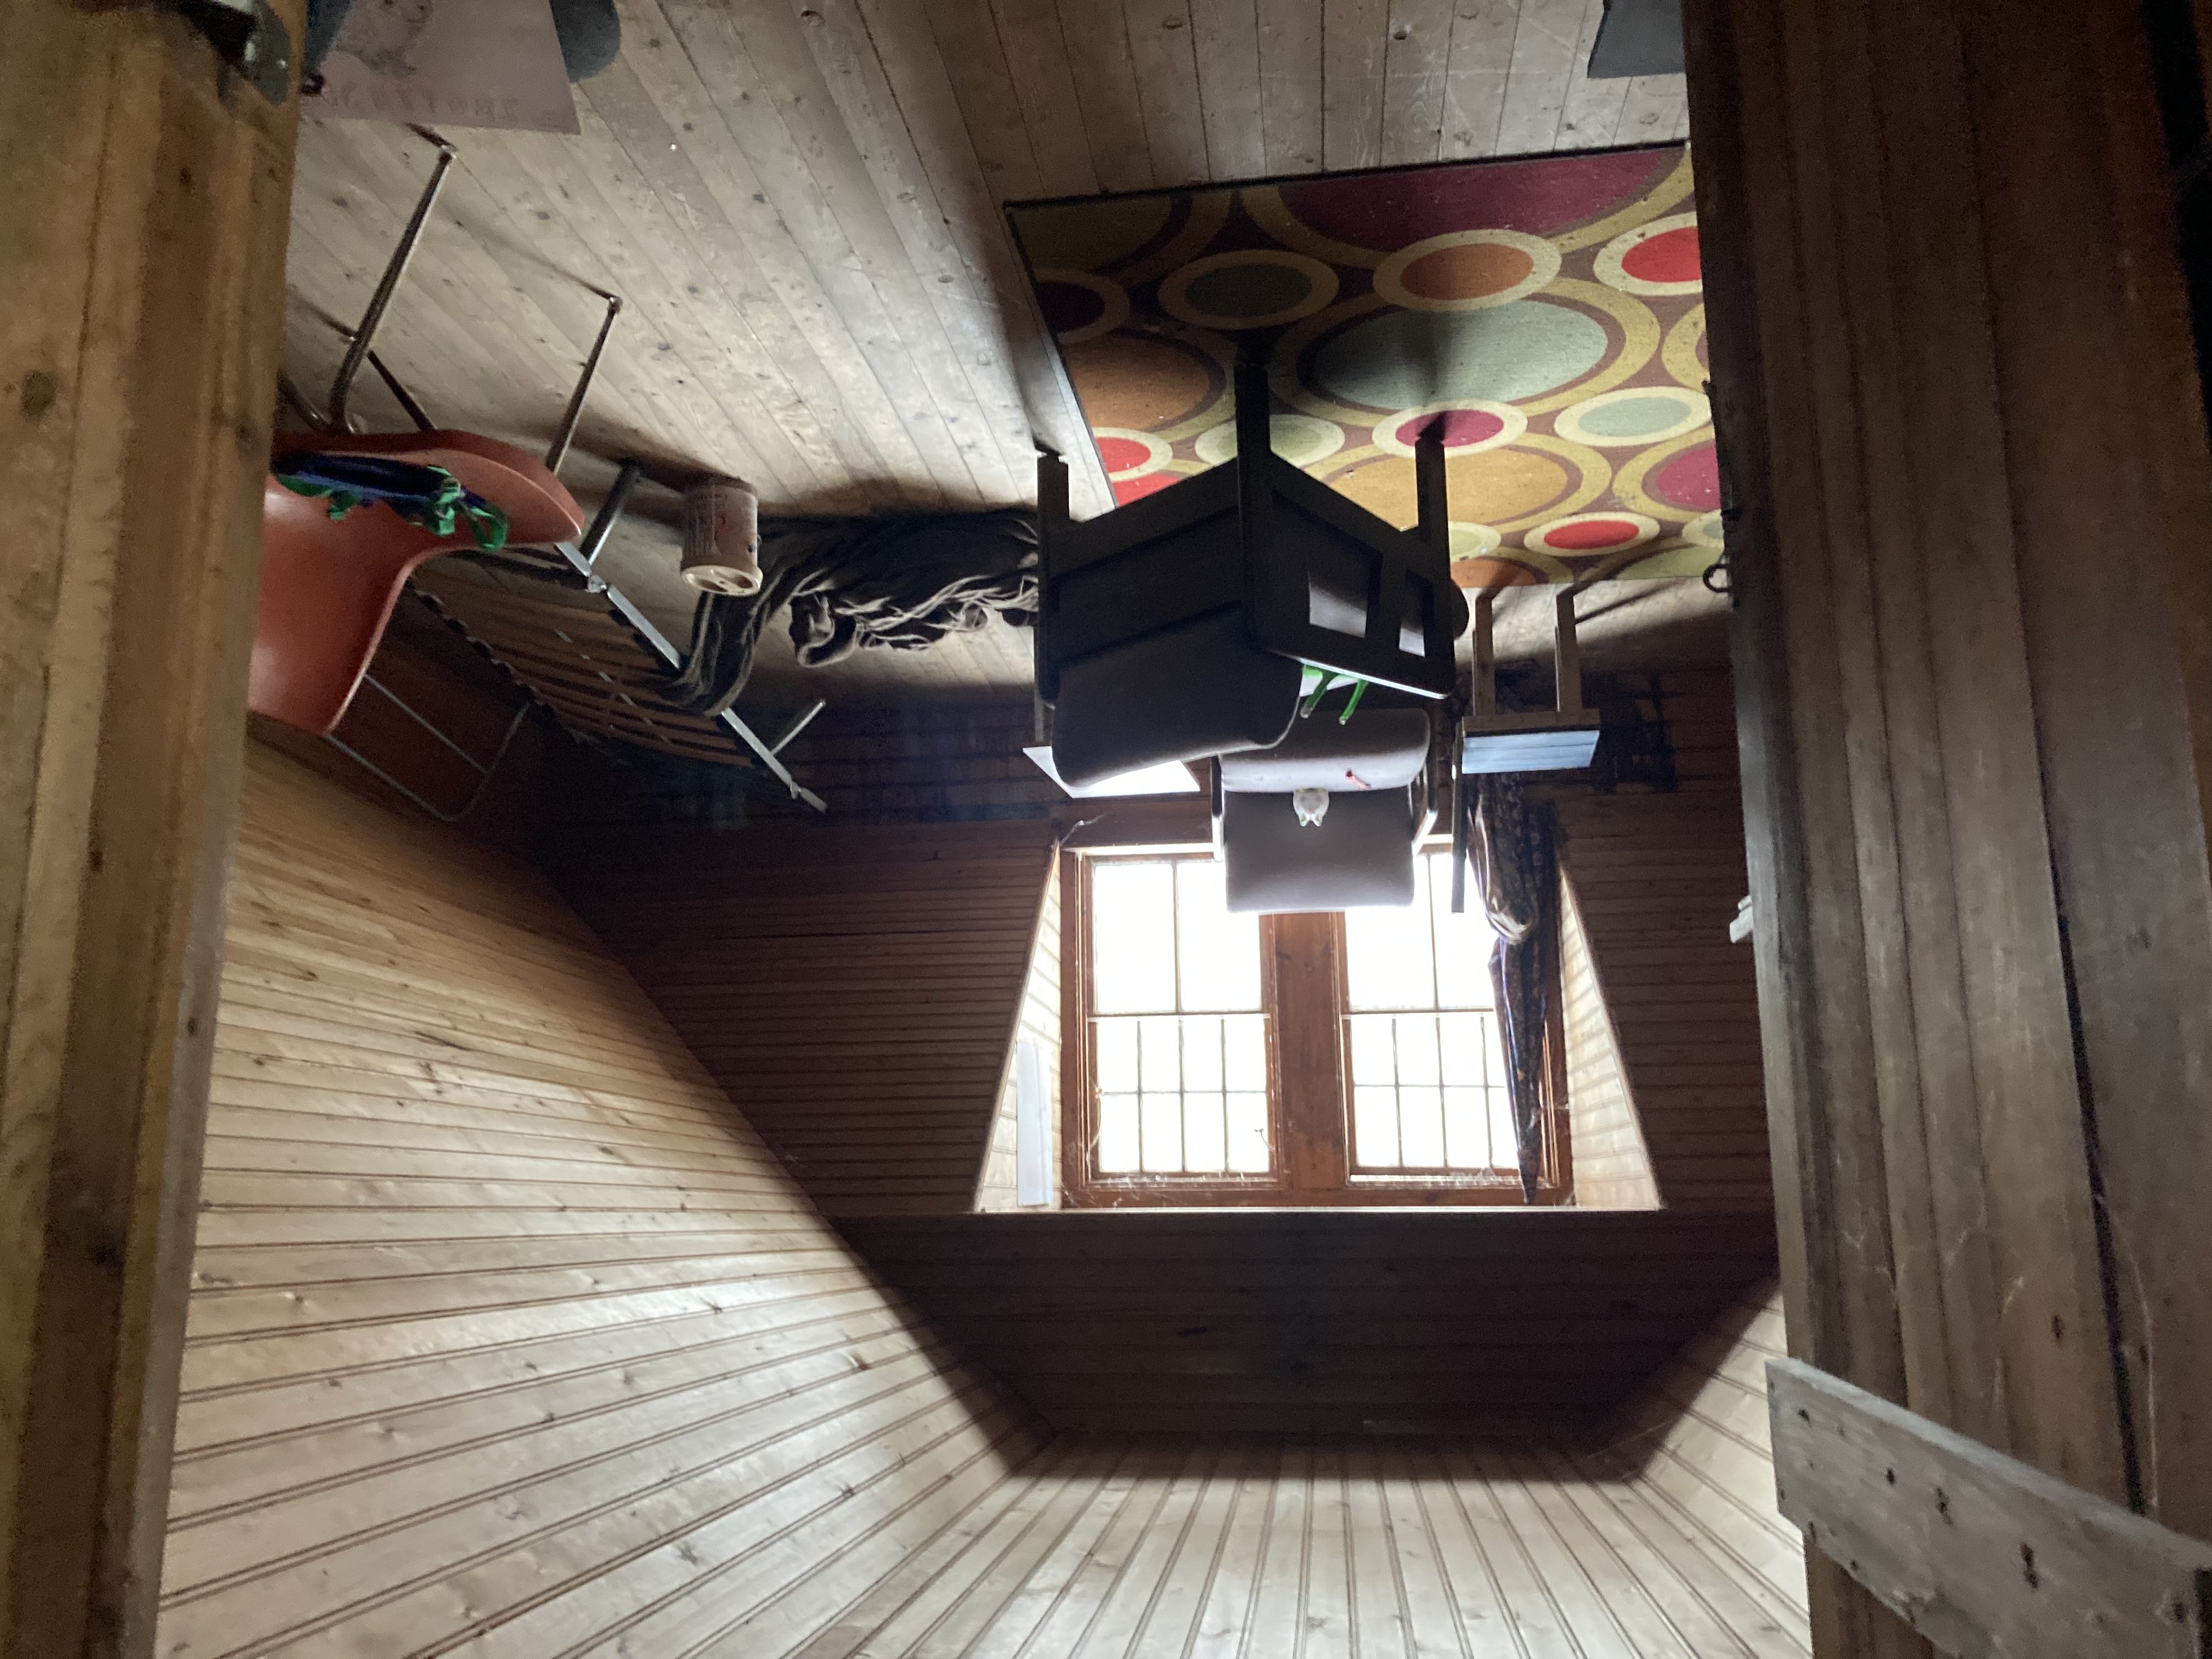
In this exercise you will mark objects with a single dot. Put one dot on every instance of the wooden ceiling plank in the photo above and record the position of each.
(359, 182)
(1655, 111)
(901, 39)
(1104, 71)
(968, 47)
(1543, 59)
(647, 248)
(1226, 39)
(1039, 61)
(1416, 67)
(1164, 56)
(1474, 77)
(1355, 35)
(538, 271)
(957, 276)
(620, 248)
(1290, 85)
(821, 187)
(525, 265)
(1589, 113)
(670, 126)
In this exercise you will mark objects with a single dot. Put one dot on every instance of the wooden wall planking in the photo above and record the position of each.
(1334, 1547)
(1975, 783)
(143, 263)
(1318, 1321)
(853, 988)
(1657, 880)
(506, 1330)
(1698, 1445)
(1612, 1166)
(1038, 1023)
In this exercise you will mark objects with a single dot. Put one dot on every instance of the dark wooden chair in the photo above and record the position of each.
(1177, 628)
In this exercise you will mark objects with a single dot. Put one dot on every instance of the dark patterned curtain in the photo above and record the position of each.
(1509, 846)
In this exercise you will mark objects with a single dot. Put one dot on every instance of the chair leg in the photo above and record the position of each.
(1429, 489)
(395, 268)
(1051, 519)
(1566, 654)
(558, 451)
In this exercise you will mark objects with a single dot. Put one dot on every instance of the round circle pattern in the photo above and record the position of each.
(1690, 481)
(1472, 541)
(1468, 270)
(1593, 532)
(1634, 415)
(1250, 287)
(1126, 453)
(1301, 439)
(1410, 359)
(1080, 306)
(1143, 382)
(1658, 257)
(1469, 427)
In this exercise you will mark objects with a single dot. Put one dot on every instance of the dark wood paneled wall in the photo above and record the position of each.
(1656, 879)
(1536, 1320)
(506, 1332)
(854, 989)
(143, 264)
(1976, 752)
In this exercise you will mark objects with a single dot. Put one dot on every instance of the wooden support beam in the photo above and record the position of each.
(1974, 772)
(1985, 1556)
(144, 261)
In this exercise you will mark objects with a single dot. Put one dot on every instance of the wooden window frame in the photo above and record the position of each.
(1301, 992)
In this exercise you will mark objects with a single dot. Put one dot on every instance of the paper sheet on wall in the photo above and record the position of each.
(449, 63)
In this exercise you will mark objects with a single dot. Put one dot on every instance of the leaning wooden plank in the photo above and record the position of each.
(1985, 1556)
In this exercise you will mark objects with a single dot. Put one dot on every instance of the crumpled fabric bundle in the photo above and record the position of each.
(895, 584)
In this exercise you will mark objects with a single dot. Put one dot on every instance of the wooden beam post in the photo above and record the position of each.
(1974, 762)
(143, 262)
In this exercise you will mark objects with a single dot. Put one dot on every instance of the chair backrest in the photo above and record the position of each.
(1255, 560)
(328, 585)
(1311, 575)
(1376, 749)
(1360, 855)
(1189, 692)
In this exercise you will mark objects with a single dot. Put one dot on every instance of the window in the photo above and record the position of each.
(1428, 1078)
(1178, 1038)
(1283, 1059)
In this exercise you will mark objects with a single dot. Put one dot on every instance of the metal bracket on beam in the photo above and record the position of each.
(250, 38)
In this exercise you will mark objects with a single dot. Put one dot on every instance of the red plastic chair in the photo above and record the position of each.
(329, 585)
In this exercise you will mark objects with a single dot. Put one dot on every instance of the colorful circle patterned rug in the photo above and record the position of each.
(1548, 314)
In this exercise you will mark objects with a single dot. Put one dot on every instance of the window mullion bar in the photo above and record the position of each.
(1443, 1094)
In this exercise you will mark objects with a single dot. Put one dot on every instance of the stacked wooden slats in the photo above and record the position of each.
(507, 1331)
(583, 662)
